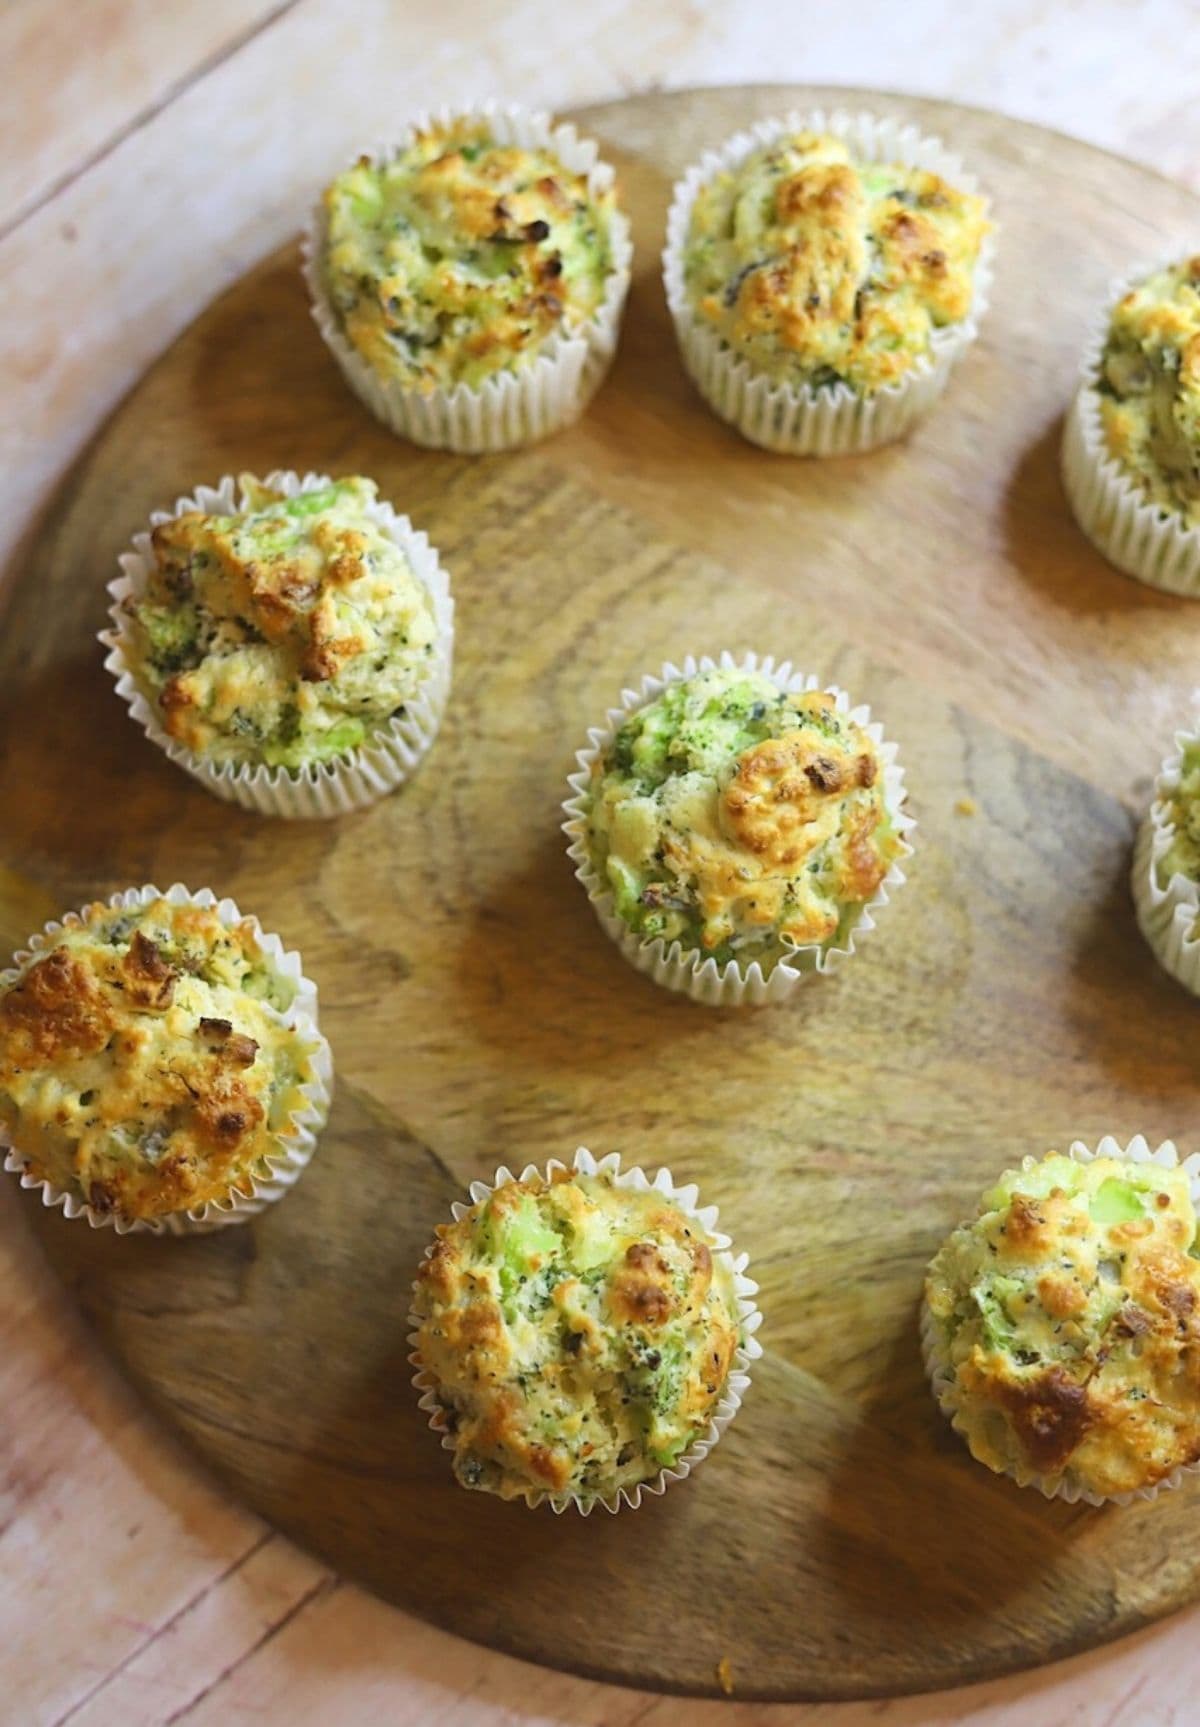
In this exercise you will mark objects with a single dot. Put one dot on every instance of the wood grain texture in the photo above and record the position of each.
(839, 1542)
(93, 72)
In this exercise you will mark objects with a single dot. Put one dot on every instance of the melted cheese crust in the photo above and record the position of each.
(1150, 388)
(580, 1334)
(284, 634)
(463, 257)
(148, 1061)
(737, 820)
(1069, 1310)
(818, 269)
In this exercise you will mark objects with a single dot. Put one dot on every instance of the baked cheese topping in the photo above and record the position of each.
(149, 1060)
(1150, 388)
(740, 821)
(462, 256)
(1069, 1311)
(285, 634)
(1182, 857)
(820, 270)
(580, 1335)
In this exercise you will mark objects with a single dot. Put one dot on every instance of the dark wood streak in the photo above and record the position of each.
(840, 1542)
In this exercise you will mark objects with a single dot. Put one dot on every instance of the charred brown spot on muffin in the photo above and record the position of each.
(101, 1197)
(149, 976)
(825, 774)
(227, 1113)
(640, 1290)
(1049, 1415)
(236, 1047)
(1132, 1321)
(56, 1009)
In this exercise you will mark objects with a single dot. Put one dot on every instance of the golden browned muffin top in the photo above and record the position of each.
(739, 820)
(580, 1334)
(285, 633)
(463, 256)
(819, 269)
(149, 1060)
(1068, 1312)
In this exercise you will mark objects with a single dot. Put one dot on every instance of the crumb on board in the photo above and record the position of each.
(725, 1676)
(967, 807)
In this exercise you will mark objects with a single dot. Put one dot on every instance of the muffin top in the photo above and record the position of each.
(149, 1060)
(284, 634)
(738, 820)
(1069, 1313)
(820, 270)
(463, 256)
(1150, 388)
(580, 1334)
(1182, 856)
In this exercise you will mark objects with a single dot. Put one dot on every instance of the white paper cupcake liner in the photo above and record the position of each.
(941, 1376)
(749, 1349)
(1129, 530)
(508, 409)
(319, 790)
(1168, 913)
(304, 1124)
(687, 970)
(795, 419)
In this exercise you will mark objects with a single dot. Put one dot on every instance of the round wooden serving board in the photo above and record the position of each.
(840, 1542)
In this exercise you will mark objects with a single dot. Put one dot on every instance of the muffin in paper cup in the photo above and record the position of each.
(800, 419)
(1059, 1413)
(676, 964)
(592, 1194)
(1166, 895)
(1139, 535)
(507, 409)
(69, 1009)
(316, 790)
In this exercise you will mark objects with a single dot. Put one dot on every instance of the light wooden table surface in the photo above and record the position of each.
(148, 154)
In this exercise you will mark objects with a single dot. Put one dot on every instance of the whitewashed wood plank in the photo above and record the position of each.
(80, 76)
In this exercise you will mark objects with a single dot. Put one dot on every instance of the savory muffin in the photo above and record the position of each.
(1181, 809)
(819, 269)
(1066, 1317)
(285, 634)
(740, 821)
(1149, 389)
(150, 1059)
(463, 256)
(579, 1334)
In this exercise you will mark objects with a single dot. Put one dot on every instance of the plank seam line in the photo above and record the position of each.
(326, 1585)
(145, 115)
(193, 1601)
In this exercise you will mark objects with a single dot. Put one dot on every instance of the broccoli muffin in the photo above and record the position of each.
(463, 255)
(1181, 810)
(1166, 865)
(579, 1335)
(1065, 1319)
(152, 1059)
(284, 634)
(1149, 389)
(819, 269)
(742, 822)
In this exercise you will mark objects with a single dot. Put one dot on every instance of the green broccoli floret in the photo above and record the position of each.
(172, 636)
(1116, 1201)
